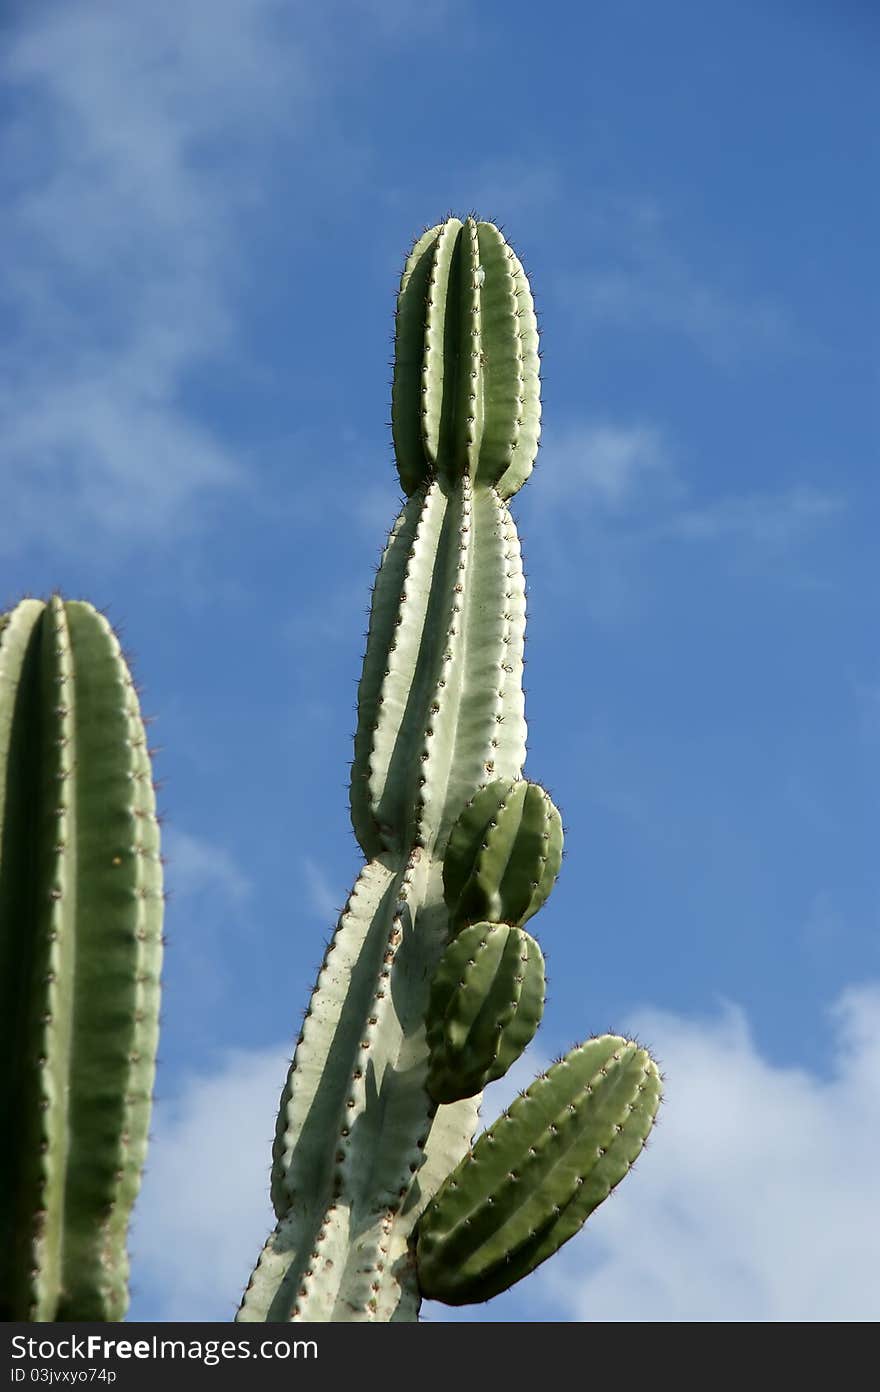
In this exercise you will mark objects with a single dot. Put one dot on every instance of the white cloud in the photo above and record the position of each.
(765, 519)
(204, 1211)
(596, 483)
(609, 467)
(323, 898)
(136, 147)
(504, 190)
(196, 865)
(758, 1198)
(645, 280)
(607, 489)
(665, 295)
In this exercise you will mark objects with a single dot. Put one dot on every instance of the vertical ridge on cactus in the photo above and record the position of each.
(80, 956)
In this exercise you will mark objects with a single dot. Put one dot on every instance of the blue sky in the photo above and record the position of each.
(207, 211)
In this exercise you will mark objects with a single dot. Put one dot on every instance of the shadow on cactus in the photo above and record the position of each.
(431, 986)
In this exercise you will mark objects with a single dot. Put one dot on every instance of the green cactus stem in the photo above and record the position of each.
(487, 999)
(80, 955)
(536, 1175)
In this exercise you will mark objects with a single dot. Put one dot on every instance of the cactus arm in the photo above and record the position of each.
(80, 928)
(534, 1177)
(486, 1002)
(503, 854)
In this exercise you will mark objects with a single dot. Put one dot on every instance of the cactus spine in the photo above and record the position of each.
(80, 955)
(361, 1145)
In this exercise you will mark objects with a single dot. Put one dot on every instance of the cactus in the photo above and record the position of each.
(486, 1002)
(80, 954)
(455, 842)
(503, 855)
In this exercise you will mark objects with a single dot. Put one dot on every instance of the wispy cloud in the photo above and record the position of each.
(608, 489)
(323, 898)
(765, 519)
(503, 190)
(758, 1198)
(611, 468)
(661, 294)
(596, 483)
(204, 1212)
(825, 929)
(138, 139)
(644, 279)
(196, 866)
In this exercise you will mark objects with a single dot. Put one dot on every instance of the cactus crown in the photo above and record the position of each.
(466, 391)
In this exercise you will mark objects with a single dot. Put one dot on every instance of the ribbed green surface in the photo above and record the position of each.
(80, 955)
(536, 1175)
(360, 1147)
(466, 393)
(486, 1002)
(440, 701)
(503, 855)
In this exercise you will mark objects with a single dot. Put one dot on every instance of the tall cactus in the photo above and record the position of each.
(80, 954)
(361, 1144)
